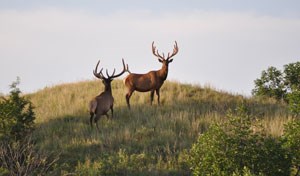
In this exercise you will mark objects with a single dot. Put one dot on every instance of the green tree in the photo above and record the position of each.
(270, 84)
(292, 76)
(16, 115)
(237, 145)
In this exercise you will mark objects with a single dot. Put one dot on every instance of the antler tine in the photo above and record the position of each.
(175, 51)
(96, 73)
(125, 68)
(112, 75)
(155, 53)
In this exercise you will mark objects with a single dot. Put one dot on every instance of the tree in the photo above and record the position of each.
(292, 76)
(270, 84)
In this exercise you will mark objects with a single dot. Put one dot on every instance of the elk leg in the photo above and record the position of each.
(91, 119)
(107, 116)
(96, 121)
(158, 96)
(151, 96)
(112, 112)
(128, 95)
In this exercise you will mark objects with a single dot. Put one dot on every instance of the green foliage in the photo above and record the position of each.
(270, 84)
(228, 148)
(16, 115)
(292, 75)
(291, 139)
(294, 102)
(277, 84)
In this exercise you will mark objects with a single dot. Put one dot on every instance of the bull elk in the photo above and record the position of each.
(104, 102)
(151, 81)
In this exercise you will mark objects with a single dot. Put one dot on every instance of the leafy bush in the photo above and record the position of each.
(291, 140)
(16, 115)
(294, 102)
(239, 143)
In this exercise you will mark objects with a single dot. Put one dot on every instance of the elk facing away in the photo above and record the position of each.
(104, 102)
(151, 81)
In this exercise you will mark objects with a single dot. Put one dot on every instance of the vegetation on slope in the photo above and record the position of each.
(146, 140)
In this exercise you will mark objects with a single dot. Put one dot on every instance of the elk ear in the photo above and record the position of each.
(160, 60)
(171, 60)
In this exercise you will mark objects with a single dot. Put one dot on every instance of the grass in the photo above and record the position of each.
(146, 140)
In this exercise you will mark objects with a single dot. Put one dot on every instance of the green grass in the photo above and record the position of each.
(146, 140)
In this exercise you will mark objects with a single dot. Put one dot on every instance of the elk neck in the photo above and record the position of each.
(163, 72)
(107, 88)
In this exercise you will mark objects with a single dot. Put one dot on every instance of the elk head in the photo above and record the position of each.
(107, 80)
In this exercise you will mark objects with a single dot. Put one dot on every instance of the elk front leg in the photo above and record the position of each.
(112, 111)
(91, 119)
(158, 96)
(151, 96)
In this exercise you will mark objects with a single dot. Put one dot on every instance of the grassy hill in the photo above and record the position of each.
(146, 140)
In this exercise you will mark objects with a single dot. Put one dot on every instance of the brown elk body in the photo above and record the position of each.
(101, 104)
(151, 81)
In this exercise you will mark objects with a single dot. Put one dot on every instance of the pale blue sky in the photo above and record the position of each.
(225, 44)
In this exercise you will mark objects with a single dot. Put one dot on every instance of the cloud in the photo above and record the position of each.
(227, 50)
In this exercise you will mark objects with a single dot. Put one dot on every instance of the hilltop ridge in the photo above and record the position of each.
(151, 138)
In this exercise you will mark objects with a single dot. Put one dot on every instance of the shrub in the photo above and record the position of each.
(239, 143)
(291, 140)
(294, 102)
(16, 115)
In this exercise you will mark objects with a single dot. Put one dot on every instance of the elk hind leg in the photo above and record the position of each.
(96, 121)
(128, 95)
(112, 111)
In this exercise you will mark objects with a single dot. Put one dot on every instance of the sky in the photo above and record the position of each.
(224, 44)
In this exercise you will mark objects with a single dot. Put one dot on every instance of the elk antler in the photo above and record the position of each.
(161, 58)
(98, 74)
(112, 76)
(175, 51)
(155, 53)
(125, 68)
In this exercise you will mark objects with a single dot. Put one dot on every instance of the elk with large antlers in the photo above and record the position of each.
(104, 102)
(151, 81)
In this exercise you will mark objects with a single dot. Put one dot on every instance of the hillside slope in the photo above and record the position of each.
(146, 140)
